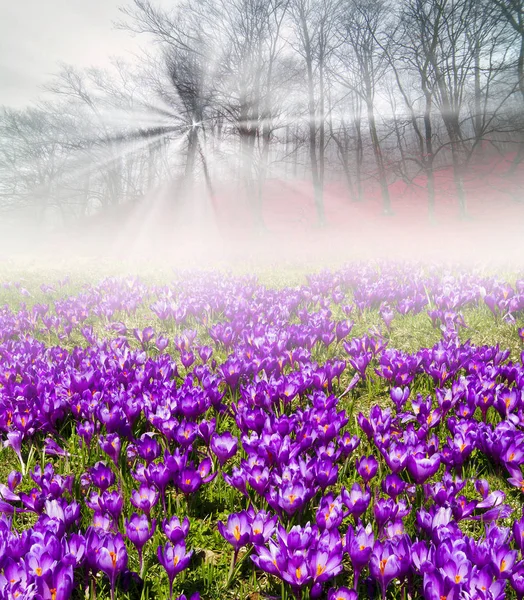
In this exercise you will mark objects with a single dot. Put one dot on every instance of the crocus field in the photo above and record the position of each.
(356, 433)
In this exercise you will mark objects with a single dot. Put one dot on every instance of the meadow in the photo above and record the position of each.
(341, 434)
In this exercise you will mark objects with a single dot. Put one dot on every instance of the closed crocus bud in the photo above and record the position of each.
(139, 531)
(111, 503)
(482, 487)
(13, 479)
(205, 353)
(422, 557)
(159, 475)
(384, 509)
(161, 342)
(357, 500)
(399, 396)
(111, 445)
(206, 430)
(518, 533)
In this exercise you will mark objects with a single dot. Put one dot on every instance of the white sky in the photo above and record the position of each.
(37, 34)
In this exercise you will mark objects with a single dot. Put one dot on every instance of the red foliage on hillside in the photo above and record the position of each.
(495, 205)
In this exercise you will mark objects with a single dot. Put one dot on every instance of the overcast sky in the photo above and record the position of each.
(37, 34)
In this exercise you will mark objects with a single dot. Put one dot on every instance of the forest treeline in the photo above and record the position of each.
(250, 90)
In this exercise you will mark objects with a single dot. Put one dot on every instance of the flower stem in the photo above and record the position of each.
(231, 568)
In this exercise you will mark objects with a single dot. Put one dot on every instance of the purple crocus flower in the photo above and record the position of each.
(224, 446)
(357, 500)
(326, 563)
(503, 560)
(160, 476)
(359, 545)
(175, 530)
(86, 431)
(14, 439)
(457, 568)
(342, 593)
(292, 497)
(189, 480)
(367, 467)
(205, 353)
(139, 531)
(174, 559)
(102, 476)
(161, 342)
(206, 430)
(348, 443)
(145, 498)
(262, 527)
(13, 480)
(330, 513)
(393, 485)
(384, 565)
(144, 336)
(111, 445)
(148, 448)
(237, 531)
(39, 563)
(517, 582)
(399, 396)
(111, 558)
(57, 586)
(421, 468)
(437, 587)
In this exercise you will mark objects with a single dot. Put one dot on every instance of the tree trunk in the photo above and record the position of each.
(192, 148)
(375, 142)
(478, 102)
(315, 173)
(428, 158)
(359, 157)
(519, 157)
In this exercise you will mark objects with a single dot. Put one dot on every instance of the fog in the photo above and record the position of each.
(280, 132)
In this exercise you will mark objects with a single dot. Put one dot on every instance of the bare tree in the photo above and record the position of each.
(364, 64)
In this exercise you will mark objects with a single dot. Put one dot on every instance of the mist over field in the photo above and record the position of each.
(280, 129)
